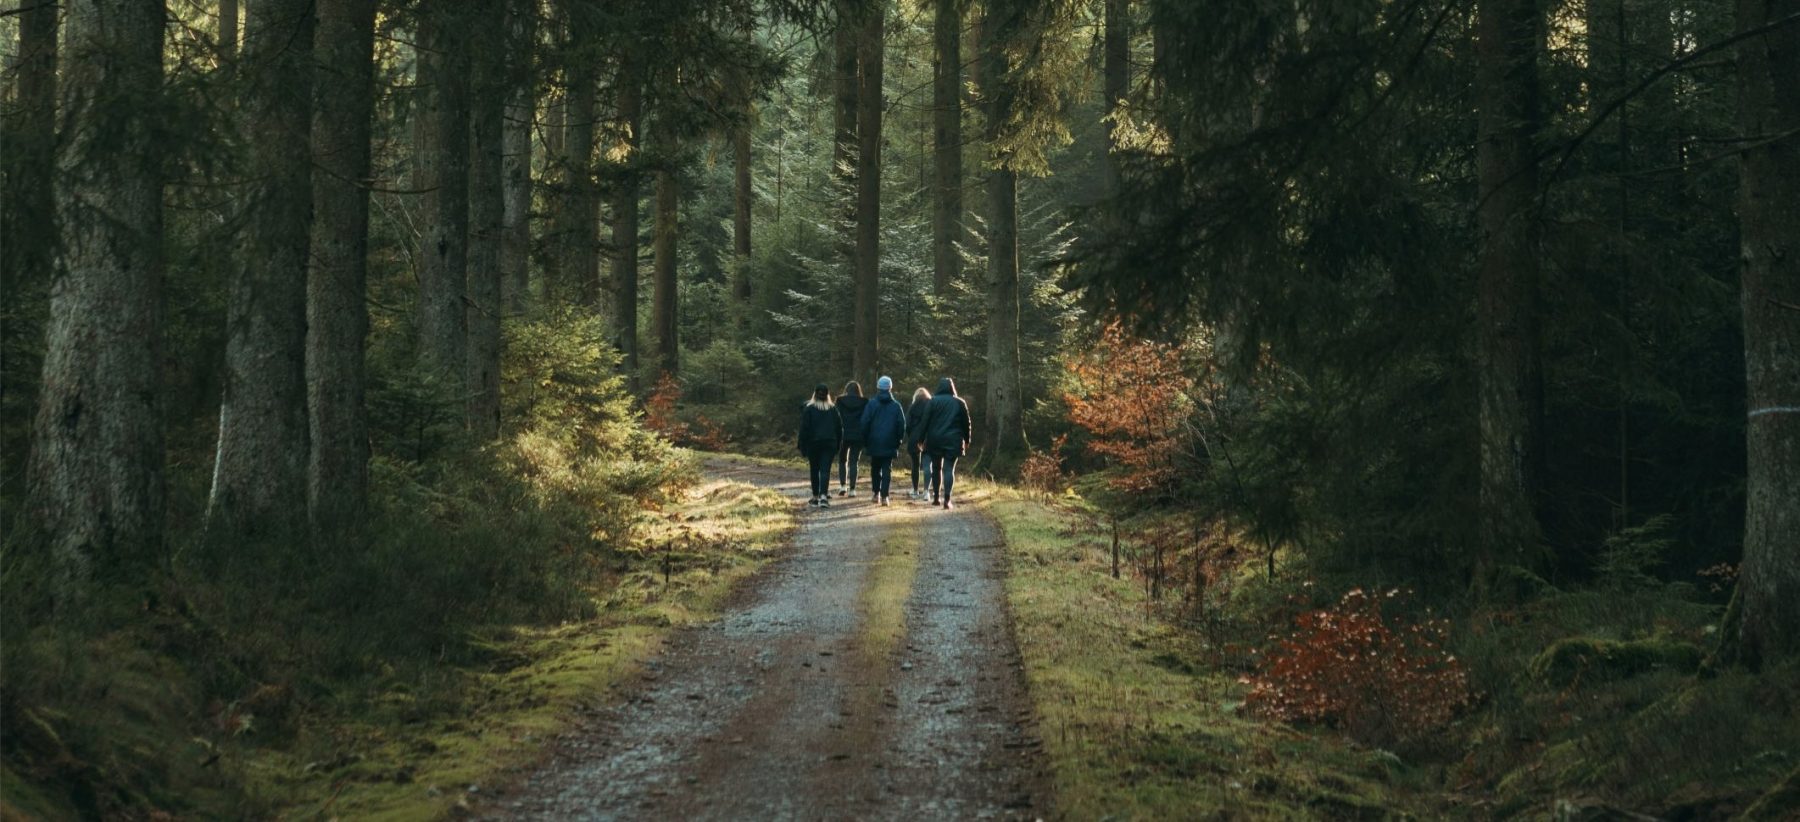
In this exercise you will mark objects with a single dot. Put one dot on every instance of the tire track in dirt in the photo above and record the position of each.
(796, 704)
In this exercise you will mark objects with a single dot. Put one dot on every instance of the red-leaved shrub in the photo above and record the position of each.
(1042, 471)
(1350, 666)
(659, 416)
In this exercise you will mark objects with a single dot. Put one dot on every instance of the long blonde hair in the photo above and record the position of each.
(921, 393)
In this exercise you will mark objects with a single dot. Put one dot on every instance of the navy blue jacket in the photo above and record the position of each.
(883, 426)
(947, 427)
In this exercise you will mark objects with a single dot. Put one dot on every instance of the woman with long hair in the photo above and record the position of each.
(915, 444)
(850, 407)
(821, 430)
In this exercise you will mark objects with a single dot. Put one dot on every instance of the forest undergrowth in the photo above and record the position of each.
(1589, 703)
(497, 591)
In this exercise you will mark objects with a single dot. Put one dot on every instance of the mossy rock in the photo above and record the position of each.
(1603, 660)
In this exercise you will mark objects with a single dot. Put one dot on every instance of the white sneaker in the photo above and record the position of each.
(853, 492)
(884, 501)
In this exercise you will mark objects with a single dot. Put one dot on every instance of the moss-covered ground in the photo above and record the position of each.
(395, 756)
(412, 741)
(1137, 725)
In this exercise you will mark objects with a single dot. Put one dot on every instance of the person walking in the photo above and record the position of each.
(850, 408)
(883, 430)
(915, 414)
(946, 431)
(821, 432)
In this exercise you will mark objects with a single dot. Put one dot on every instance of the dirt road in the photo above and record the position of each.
(871, 673)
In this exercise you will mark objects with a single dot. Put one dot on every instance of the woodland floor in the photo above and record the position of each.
(872, 672)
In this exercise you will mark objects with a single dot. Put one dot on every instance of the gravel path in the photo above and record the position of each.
(797, 705)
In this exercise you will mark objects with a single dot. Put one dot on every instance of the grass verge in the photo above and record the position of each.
(1136, 726)
(414, 752)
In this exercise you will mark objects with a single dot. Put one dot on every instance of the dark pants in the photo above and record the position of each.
(849, 459)
(881, 475)
(818, 460)
(916, 458)
(943, 468)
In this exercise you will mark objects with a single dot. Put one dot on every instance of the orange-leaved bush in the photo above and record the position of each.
(1379, 678)
(1130, 395)
(1042, 471)
(659, 416)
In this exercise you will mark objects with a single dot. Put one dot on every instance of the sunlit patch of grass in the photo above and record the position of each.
(415, 749)
(1131, 735)
(884, 595)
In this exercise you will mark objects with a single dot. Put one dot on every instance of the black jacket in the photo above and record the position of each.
(915, 419)
(947, 427)
(819, 427)
(883, 426)
(850, 409)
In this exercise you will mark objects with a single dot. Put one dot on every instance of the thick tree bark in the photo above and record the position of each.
(515, 248)
(845, 84)
(228, 29)
(579, 215)
(443, 289)
(259, 473)
(625, 224)
(1005, 413)
(96, 469)
(27, 216)
(946, 146)
(742, 197)
(337, 318)
(1769, 226)
(1116, 82)
(1511, 390)
(866, 291)
(487, 222)
(665, 312)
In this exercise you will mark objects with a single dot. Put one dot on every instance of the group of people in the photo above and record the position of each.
(933, 429)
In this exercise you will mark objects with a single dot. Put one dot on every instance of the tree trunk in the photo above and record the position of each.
(844, 86)
(1511, 390)
(742, 197)
(1005, 415)
(443, 288)
(580, 212)
(27, 220)
(228, 29)
(260, 469)
(1117, 82)
(490, 89)
(337, 318)
(1769, 226)
(96, 469)
(866, 306)
(1608, 41)
(625, 223)
(946, 146)
(665, 312)
(521, 110)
